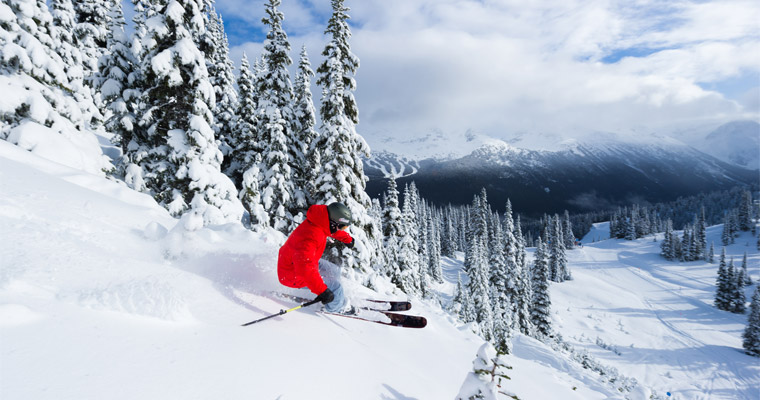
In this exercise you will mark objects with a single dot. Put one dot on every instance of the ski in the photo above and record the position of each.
(384, 305)
(385, 318)
(367, 304)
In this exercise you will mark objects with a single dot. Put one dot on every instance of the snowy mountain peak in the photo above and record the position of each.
(736, 142)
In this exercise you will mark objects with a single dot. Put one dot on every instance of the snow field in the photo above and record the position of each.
(654, 320)
(101, 289)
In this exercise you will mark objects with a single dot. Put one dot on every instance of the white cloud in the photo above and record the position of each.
(501, 67)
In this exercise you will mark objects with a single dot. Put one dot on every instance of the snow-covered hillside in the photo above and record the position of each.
(104, 295)
(655, 319)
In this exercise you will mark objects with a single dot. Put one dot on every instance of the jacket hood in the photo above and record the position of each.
(317, 215)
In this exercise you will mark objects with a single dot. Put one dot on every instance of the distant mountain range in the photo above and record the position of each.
(599, 172)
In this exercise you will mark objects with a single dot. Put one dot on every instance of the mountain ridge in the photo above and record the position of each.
(582, 176)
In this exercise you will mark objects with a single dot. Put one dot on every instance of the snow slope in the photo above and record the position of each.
(654, 319)
(104, 295)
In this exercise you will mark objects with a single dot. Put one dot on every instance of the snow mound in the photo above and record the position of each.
(157, 299)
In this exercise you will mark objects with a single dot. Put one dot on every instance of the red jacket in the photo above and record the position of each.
(298, 263)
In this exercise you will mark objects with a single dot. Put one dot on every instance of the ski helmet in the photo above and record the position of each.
(339, 214)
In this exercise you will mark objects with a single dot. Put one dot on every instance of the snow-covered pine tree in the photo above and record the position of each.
(307, 163)
(711, 254)
(744, 216)
(422, 235)
(701, 234)
(520, 241)
(667, 246)
(630, 231)
(408, 257)
(738, 299)
(686, 248)
(747, 278)
(502, 329)
(434, 247)
(46, 95)
(376, 215)
(567, 231)
(217, 50)
(116, 67)
(275, 118)
(176, 148)
(510, 244)
(557, 258)
(501, 293)
(393, 231)
(722, 285)
(524, 297)
(540, 311)
(479, 287)
(342, 176)
(245, 163)
(726, 234)
(91, 32)
(751, 335)
(67, 47)
(488, 375)
(448, 234)
(461, 305)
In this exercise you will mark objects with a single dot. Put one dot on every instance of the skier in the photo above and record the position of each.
(299, 264)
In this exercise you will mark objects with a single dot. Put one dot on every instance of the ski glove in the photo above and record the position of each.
(350, 244)
(326, 296)
(343, 236)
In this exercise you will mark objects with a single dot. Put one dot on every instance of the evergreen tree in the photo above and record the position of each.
(393, 231)
(630, 231)
(220, 67)
(116, 68)
(751, 333)
(711, 255)
(91, 31)
(275, 123)
(736, 291)
(567, 231)
(176, 148)
(479, 287)
(701, 234)
(307, 155)
(461, 305)
(557, 258)
(501, 293)
(342, 175)
(667, 246)
(686, 248)
(408, 257)
(747, 278)
(434, 248)
(744, 217)
(722, 293)
(245, 161)
(727, 236)
(502, 329)
(540, 313)
(47, 91)
(488, 375)
(66, 45)
(448, 234)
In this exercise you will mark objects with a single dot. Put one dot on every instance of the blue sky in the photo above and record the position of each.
(508, 67)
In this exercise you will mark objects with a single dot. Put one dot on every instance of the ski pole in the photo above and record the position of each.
(282, 312)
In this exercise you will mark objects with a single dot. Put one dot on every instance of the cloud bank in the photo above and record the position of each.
(506, 67)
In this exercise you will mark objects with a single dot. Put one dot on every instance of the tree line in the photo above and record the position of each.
(209, 147)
